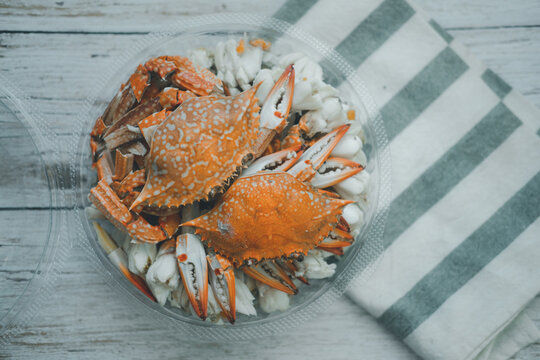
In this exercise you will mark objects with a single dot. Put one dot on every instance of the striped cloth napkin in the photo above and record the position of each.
(462, 257)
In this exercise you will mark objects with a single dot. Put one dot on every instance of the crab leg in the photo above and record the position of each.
(290, 267)
(99, 127)
(149, 124)
(170, 223)
(222, 280)
(313, 158)
(333, 171)
(119, 258)
(272, 275)
(104, 170)
(105, 199)
(131, 181)
(337, 238)
(119, 133)
(129, 94)
(193, 266)
(123, 165)
(94, 145)
(336, 241)
(119, 105)
(343, 224)
(293, 137)
(278, 161)
(275, 110)
(336, 251)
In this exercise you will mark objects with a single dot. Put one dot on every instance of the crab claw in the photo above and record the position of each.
(275, 109)
(313, 158)
(191, 259)
(278, 161)
(333, 171)
(277, 105)
(221, 276)
(272, 275)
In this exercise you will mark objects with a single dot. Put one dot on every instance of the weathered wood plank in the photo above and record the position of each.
(141, 16)
(125, 16)
(511, 53)
(482, 13)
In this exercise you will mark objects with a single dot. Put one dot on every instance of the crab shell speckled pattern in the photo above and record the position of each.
(268, 215)
(199, 147)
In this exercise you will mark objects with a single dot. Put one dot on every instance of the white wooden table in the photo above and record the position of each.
(52, 49)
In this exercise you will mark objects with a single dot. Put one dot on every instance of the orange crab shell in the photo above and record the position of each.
(139, 81)
(188, 75)
(199, 147)
(268, 216)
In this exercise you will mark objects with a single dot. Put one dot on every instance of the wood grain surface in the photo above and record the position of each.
(54, 49)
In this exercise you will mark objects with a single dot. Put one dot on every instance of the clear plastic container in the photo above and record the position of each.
(31, 191)
(207, 31)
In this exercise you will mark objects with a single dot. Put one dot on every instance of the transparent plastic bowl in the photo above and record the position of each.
(207, 31)
(32, 189)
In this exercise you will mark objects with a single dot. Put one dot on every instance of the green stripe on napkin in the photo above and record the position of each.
(443, 33)
(496, 84)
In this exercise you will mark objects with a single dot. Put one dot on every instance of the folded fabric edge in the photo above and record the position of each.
(517, 333)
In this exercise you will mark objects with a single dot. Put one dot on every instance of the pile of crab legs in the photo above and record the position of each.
(193, 165)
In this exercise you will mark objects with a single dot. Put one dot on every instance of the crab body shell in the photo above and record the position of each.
(268, 215)
(199, 148)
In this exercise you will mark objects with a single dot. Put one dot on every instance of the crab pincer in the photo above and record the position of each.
(222, 281)
(193, 268)
(333, 171)
(279, 161)
(275, 110)
(314, 157)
